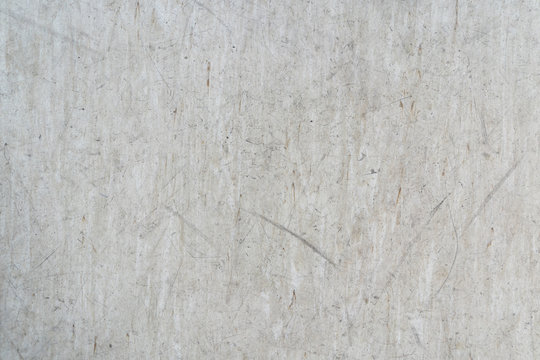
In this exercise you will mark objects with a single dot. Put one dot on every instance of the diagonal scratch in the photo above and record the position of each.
(69, 39)
(157, 70)
(47, 258)
(189, 224)
(436, 208)
(408, 249)
(417, 237)
(490, 196)
(455, 254)
(213, 14)
(171, 286)
(469, 223)
(303, 240)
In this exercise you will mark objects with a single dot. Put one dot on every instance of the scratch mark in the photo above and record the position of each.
(466, 227)
(27, 21)
(337, 69)
(14, 290)
(138, 222)
(47, 258)
(188, 223)
(436, 208)
(399, 100)
(172, 178)
(484, 130)
(350, 326)
(362, 157)
(490, 196)
(304, 241)
(171, 287)
(137, 10)
(213, 14)
(208, 76)
(457, 9)
(157, 69)
(483, 124)
(407, 251)
(293, 299)
(416, 336)
(455, 254)
(95, 344)
(16, 348)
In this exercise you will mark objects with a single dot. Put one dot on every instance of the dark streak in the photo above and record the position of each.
(304, 241)
(398, 194)
(362, 158)
(208, 77)
(372, 172)
(293, 299)
(457, 10)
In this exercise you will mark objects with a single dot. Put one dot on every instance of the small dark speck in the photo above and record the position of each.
(39, 136)
(110, 345)
(185, 57)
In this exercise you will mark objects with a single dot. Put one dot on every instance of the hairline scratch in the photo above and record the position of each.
(303, 240)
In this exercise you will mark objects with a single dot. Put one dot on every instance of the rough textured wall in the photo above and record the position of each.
(269, 179)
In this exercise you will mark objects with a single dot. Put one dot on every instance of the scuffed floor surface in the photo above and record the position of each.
(257, 179)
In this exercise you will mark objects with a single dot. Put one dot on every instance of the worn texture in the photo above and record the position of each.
(270, 180)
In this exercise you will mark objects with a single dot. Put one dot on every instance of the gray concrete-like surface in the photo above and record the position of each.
(269, 179)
